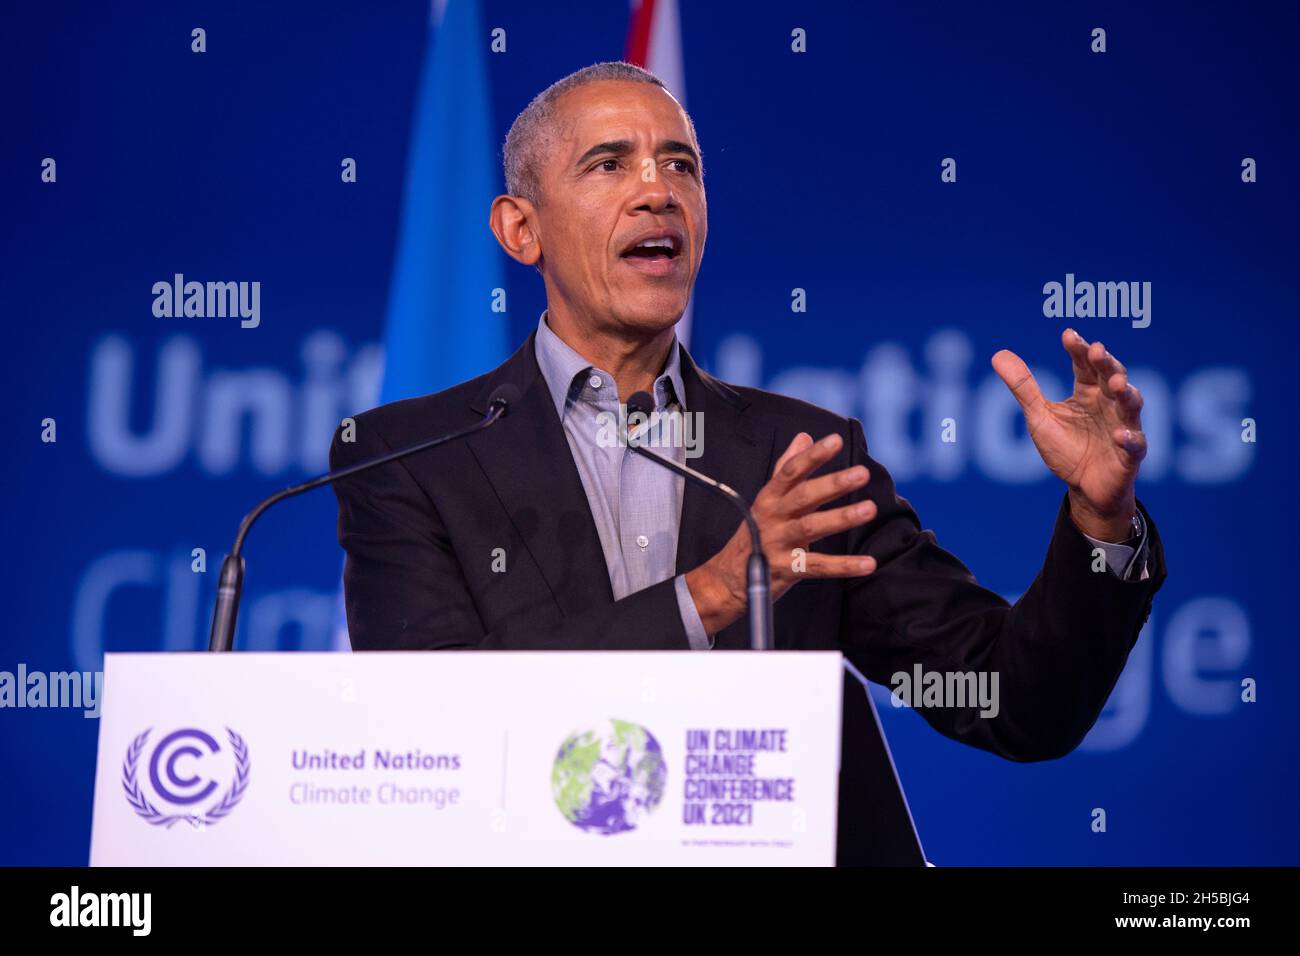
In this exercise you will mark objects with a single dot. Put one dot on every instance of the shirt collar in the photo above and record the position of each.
(567, 373)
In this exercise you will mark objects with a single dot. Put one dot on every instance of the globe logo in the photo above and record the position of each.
(606, 779)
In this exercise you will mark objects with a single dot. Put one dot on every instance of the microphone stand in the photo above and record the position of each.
(758, 584)
(231, 581)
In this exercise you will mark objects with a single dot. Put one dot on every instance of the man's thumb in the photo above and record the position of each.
(1011, 368)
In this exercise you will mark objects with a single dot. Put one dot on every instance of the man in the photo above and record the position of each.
(540, 533)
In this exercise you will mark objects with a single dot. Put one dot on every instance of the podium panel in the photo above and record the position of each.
(643, 758)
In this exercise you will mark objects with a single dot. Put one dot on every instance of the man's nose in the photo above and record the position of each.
(653, 195)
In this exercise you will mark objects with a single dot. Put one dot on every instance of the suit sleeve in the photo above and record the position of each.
(1057, 651)
(405, 589)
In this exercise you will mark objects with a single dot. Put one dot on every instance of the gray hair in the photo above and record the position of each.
(530, 134)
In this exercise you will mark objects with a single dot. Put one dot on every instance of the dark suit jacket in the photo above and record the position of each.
(420, 537)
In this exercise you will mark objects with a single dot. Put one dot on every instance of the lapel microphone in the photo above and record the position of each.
(230, 584)
(759, 578)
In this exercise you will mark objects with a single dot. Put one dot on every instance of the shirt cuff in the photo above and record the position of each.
(1122, 560)
(691, 617)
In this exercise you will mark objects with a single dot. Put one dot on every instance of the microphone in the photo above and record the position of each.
(231, 582)
(758, 574)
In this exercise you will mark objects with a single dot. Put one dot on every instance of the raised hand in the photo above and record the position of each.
(1093, 440)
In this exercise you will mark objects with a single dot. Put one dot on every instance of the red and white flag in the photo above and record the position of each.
(654, 43)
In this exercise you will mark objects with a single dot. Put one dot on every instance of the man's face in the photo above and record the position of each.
(624, 170)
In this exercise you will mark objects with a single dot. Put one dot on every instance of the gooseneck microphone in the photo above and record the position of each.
(758, 574)
(231, 582)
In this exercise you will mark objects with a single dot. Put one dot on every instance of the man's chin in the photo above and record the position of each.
(653, 324)
(652, 312)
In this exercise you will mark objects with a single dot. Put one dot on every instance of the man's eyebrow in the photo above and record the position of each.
(673, 146)
(621, 147)
(618, 147)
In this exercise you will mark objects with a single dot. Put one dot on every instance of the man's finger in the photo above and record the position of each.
(1129, 401)
(797, 444)
(813, 564)
(1103, 361)
(815, 492)
(805, 462)
(823, 524)
(1111, 375)
(1132, 442)
(1013, 370)
(1077, 346)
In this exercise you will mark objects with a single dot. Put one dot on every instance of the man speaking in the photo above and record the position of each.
(541, 533)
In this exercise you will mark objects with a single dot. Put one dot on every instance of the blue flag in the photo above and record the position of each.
(440, 327)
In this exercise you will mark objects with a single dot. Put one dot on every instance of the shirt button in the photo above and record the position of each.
(642, 542)
(595, 381)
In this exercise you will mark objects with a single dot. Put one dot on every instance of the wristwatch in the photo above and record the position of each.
(1138, 542)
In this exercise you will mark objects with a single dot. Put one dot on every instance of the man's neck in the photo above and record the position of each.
(634, 362)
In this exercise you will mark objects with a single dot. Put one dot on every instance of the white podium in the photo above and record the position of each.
(641, 758)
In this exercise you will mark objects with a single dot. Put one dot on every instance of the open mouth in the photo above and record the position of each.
(654, 253)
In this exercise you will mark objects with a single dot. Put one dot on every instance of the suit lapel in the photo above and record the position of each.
(737, 450)
(527, 460)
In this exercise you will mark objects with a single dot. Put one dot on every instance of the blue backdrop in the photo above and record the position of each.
(823, 174)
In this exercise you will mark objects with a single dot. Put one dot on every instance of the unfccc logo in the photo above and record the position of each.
(175, 768)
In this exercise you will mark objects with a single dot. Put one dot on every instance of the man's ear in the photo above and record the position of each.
(513, 221)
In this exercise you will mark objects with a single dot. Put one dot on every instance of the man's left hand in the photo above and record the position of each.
(1093, 440)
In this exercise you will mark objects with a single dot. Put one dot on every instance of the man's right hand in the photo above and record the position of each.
(789, 522)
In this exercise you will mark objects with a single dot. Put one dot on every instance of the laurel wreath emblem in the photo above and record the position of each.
(214, 814)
